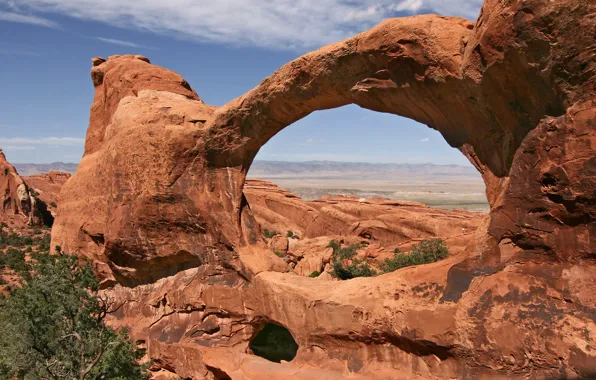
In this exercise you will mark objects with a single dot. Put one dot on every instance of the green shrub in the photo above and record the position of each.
(290, 234)
(428, 251)
(15, 259)
(431, 250)
(53, 326)
(269, 234)
(43, 243)
(280, 254)
(346, 253)
(315, 274)
(357, 267)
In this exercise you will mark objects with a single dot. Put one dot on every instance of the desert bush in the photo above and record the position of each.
(355, 267)
(431, 250)
(290, 234)
(43, 243)
(14, 240)
(315, 274)
(15, 259)
(269, 234)
(428, 251)
(343, 253)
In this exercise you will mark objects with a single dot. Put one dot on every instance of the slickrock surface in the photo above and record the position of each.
(383, 224)
(17, 206)
(157, 203)
(389, 222)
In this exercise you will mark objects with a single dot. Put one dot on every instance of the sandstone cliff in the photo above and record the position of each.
(157, 204)
(19, 206)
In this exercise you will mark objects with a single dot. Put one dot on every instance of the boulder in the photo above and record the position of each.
(279, 244)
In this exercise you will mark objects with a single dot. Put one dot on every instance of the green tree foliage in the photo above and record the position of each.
(428, 251)
(52, 326)
(13, 259)
(345, 265)
(15, 240)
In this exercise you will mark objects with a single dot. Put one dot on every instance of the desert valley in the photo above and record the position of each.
(169, 252)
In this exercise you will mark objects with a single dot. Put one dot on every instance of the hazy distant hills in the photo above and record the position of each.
(443, 186)
(356, 170)
(32, 169)
(310, 169)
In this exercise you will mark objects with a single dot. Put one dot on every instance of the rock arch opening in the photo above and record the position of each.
(344, 218)
(354, 151)
(274, 343)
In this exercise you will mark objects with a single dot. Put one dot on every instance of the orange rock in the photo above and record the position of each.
(158, 204)
(17, 204)
(279, 244)
(48, 186)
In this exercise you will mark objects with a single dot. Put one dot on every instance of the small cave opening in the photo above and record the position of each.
(274, 343)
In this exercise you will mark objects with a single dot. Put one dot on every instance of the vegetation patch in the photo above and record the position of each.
(15, 240)
(428, 251)
(345, 265)
(52, 321)
(291, 235)
(269, 234)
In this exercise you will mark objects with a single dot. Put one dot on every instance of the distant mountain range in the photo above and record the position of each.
(33, 169)
(310, 169)
(356, 170)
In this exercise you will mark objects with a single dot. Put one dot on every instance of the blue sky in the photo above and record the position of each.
(223, 48)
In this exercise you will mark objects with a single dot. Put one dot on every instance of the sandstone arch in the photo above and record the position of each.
(157, 203)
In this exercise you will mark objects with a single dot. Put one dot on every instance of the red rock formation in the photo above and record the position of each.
(48, 186)
(384, 223)
(157, 203)
(18, 205)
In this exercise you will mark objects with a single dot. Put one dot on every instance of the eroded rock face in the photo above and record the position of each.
(47, 186)
(382, 224)
(158, 205)
(17, 203)
(386, 221)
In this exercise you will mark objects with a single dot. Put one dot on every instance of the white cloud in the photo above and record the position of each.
(408, 5)
(17, 147)
(49, 141)
(27, 19)
(283, 24)
(117, 42)
(425, 139)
